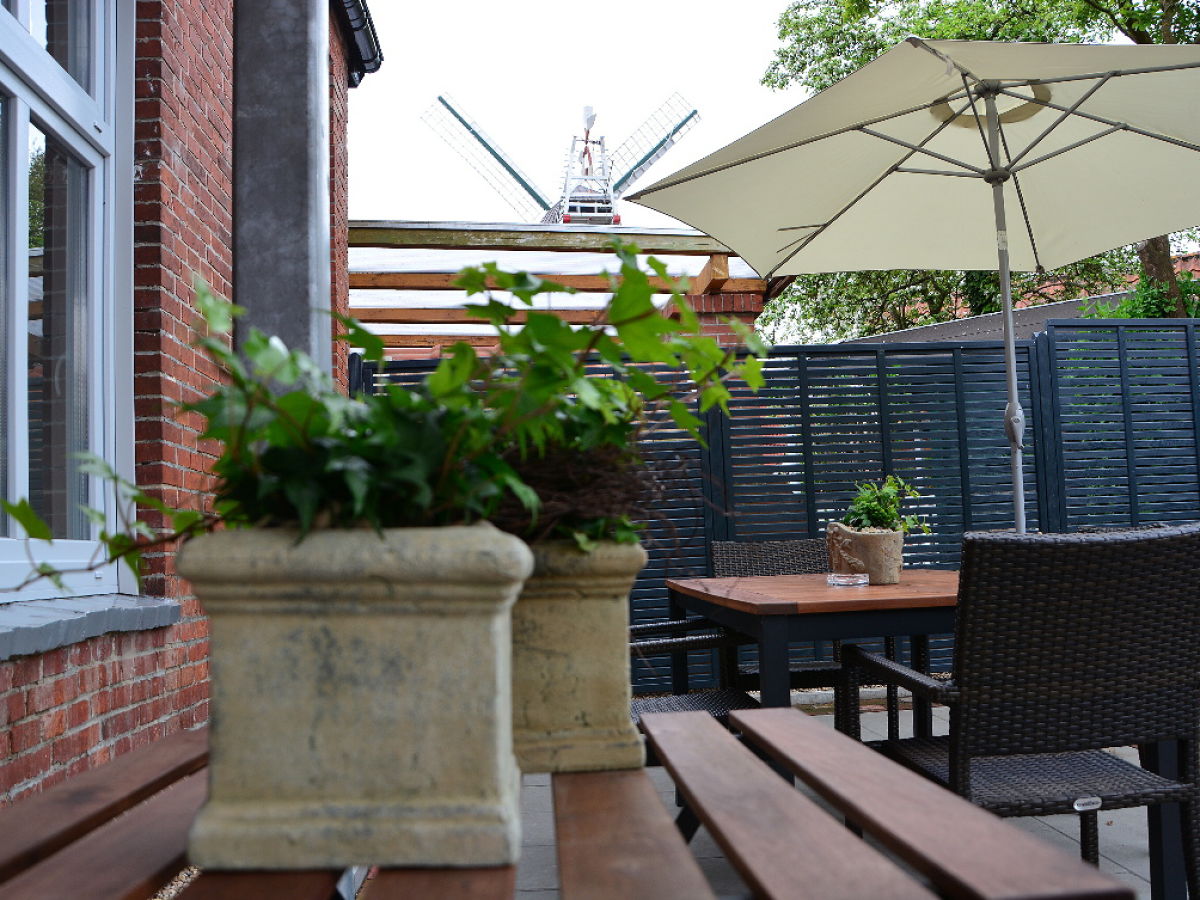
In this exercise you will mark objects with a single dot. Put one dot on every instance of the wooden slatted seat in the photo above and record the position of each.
(120, 831)
(962, 849)
(784, 845)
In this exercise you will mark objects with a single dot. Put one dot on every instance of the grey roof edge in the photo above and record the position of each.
(36, 626)
(1027, 320)
(361, 40)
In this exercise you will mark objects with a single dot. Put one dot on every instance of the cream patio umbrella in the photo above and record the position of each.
(1085, 148)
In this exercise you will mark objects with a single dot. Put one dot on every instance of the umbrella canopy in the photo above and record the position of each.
(961, 155)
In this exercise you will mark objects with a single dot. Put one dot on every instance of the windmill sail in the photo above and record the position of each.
(593, 178)
(469, 141)
(656, 136)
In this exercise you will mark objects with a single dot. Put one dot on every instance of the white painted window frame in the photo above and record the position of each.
(97, 128)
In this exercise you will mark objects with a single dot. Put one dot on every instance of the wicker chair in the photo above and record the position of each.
(659, 638)
(1066, 644)
(731, 559)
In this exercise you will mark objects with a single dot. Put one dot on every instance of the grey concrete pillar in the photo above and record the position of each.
(281, 170)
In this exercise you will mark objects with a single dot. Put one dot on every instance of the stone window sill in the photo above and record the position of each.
(35, 626)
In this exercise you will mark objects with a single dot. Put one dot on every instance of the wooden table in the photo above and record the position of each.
(121, 830)
(779, 609)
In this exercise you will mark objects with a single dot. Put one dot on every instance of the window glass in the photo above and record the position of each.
(63, 27)
(58, 315)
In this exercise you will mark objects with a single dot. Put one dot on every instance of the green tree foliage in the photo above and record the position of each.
(823, 41)
(37, 198)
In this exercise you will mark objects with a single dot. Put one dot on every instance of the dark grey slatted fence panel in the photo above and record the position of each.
(675, 541)
(1127, 413)
(832, 417)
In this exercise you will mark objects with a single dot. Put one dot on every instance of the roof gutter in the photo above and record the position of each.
(364, 54)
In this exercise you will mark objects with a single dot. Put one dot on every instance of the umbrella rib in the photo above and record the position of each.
(857, 126)
(1061, 150)
(908, 171)
(1125, 126)
(919, 149)
(1066, 114)
(1037, 258)
(803, 242)
(1116, 73)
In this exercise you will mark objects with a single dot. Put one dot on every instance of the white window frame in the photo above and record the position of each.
(97, 128)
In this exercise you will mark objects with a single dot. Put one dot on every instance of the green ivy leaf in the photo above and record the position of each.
(357, 335)
(25, 516)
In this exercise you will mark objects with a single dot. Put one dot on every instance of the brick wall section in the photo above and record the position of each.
(714, 309)
(339, 194)
(73, 708)
(67, 710)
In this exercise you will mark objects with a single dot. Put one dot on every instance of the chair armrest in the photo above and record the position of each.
(875, 668)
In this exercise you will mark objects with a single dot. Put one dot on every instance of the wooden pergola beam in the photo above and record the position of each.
(456, 316)
(713, 276)
(566, 238)
(444, 281)
(398, 341)
(712, 280)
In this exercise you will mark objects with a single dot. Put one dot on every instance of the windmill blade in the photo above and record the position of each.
(656, 136)
(472, 144)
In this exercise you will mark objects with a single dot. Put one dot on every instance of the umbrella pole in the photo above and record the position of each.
(1014, 415)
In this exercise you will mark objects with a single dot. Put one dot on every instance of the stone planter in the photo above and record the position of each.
(570, 636)
(877, 551)
(360, 707)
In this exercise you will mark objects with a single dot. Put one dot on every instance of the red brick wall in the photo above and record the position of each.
(70, 709)
(66, 710)
(339, 194)
(714, 309)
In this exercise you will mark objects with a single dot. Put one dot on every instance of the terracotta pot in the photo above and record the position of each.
(570, 635)
(360, 705)
(877, 551)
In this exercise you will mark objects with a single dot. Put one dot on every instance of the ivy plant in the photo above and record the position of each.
(473, 441)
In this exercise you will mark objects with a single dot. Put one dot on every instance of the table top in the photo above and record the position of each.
(772, 595)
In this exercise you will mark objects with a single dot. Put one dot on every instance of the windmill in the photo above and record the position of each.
(594, 178)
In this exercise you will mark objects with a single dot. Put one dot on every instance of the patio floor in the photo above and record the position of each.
(1123, 847)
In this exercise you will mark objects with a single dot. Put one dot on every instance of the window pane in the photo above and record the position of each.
(58, 315)
(63, 27)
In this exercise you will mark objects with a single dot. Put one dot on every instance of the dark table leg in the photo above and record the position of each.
(1168, 880)
(922, 709)
(775, 679)
(679, 660)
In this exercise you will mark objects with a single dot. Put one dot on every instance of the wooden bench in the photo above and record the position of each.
(121, 830)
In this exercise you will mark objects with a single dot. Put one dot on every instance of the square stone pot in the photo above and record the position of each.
(360, 710)
(878, 552)
(570, 635)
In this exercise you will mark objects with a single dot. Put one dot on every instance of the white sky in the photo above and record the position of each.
(524, 70)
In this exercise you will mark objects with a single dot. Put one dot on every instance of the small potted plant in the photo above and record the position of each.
(870, 538)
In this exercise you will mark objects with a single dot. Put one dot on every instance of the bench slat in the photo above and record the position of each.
(493, 883)
(963, 849)
(40, 825)
(130, 857)
(781, 843)
(314, 885)
(616, 839)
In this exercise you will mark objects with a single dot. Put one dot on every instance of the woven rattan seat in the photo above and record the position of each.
(1049, 783)
(718, 702)
(1066, 644)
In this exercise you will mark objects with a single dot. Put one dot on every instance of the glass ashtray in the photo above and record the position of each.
(847, 579)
